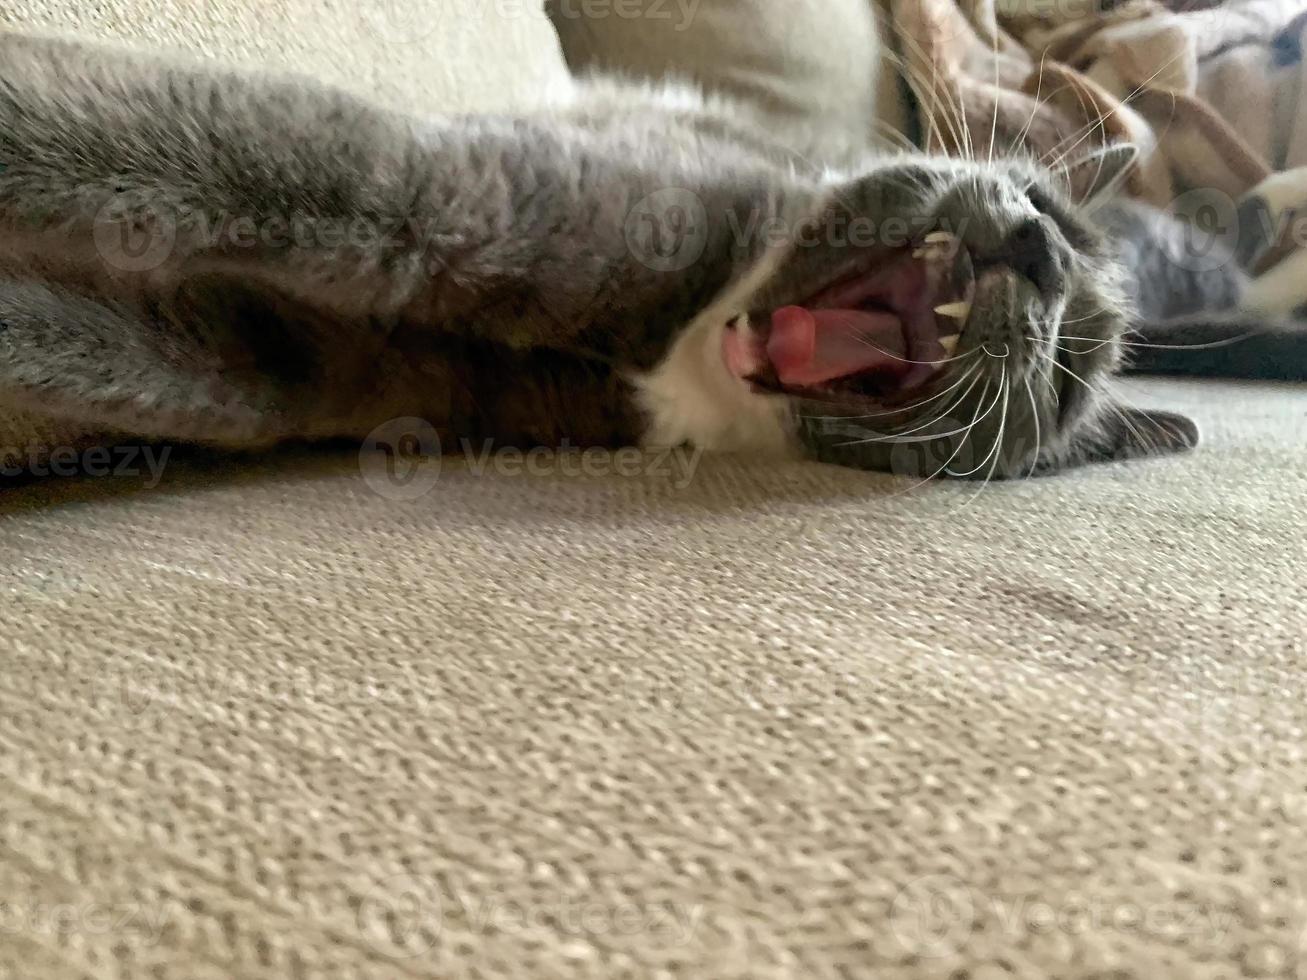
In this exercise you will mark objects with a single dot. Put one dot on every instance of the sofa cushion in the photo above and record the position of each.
(427, 55)
(820, 63)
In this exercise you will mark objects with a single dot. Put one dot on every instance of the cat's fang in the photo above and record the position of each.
(950, 343)
(939, 238)
(956, 311)
(742, 348)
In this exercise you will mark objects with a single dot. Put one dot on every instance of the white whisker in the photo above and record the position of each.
(957, 449)
(1002, 422)
(1228, 342)
(1034, 414)
(898, 411)
(903, 437)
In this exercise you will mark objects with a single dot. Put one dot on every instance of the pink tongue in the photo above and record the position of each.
(810, 347)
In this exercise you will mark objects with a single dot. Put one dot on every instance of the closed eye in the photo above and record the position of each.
(1042, 202)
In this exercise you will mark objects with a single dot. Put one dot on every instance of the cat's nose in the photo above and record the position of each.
(1031, 252)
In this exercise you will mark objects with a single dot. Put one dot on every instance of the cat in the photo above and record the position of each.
(190, 253)
(1196, 309)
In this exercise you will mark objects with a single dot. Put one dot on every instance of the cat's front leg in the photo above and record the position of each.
(132, 175)
(124, 171)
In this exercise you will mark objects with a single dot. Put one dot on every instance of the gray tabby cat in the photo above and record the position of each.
(630, 268)
(1189, 293)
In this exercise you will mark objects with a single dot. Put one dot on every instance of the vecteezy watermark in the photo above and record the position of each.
(933, 916)
(681, 12)
(133, 695)
(676, 464)
(61, 920)
(1209, 228)
(837, 230)
(397, 21)
(404, 915)
(401, 916)
(955, 452)
(93, 461)
(667, 231)
(970, 445)
(403, 460)
(412, 21)
(133, 233)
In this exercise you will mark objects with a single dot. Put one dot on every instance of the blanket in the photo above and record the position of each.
(1212, 94)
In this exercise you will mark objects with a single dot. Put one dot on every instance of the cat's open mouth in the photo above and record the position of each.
(881, 333)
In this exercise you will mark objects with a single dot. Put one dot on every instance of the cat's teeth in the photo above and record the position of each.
(938, 238)
(950, 343)
(957, 311)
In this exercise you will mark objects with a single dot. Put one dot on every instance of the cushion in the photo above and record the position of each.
(429, 55)
(818, 62)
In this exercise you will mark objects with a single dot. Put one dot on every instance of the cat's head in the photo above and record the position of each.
(974, 335)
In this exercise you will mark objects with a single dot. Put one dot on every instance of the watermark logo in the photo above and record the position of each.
(933, 916)
(134, 235)
(675, 465)
(680, 13)
(401, 459)
(397, 21)
(121, 461)
(667, 231)
(130, 922)
(950, 453)
(1220, 717)
(124, 697)
(401, 916)
(1209, 230)
(134, 694)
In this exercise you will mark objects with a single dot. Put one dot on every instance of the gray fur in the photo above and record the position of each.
(1169, 275)
(1186, 292)
(506, 299)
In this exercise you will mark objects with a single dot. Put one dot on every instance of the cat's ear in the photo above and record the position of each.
(1120, 433)
(1095, 176)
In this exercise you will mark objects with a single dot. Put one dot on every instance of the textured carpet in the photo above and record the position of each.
(271, 720)
(304, 717)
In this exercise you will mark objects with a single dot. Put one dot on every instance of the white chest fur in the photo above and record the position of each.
(692, 398)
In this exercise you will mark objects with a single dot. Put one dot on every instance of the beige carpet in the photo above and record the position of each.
(298, 718)
(264, 721)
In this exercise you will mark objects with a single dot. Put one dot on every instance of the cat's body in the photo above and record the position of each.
(233, 260)
(1169, 274)
(1196, 309)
